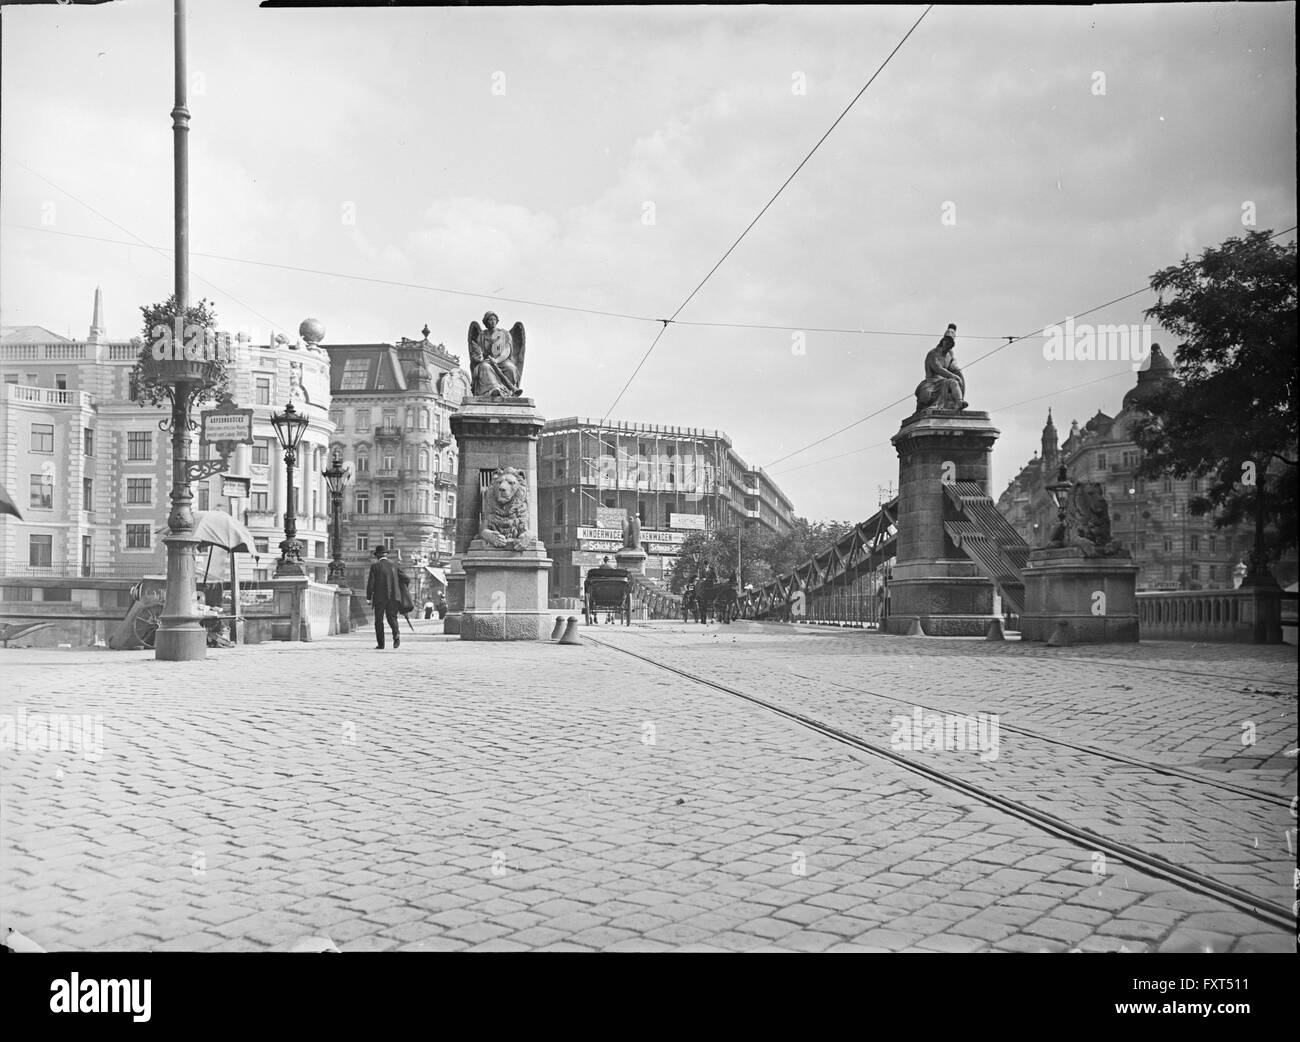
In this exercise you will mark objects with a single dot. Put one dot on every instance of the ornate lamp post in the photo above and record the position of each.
(290, 426)
(336, 477)
(180, 638)
(1060, 493)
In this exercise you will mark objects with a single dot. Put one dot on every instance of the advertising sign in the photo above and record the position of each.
(611, 517)
(228, 425)
(691, 521)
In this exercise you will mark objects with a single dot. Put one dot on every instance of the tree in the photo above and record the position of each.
(764, 555)
(1230, 413)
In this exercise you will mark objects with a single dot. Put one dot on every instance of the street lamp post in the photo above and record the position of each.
(336, 477)
(290, 426)
(180, 638)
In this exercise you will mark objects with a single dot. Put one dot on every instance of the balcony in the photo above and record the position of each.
(48, 397)
(445, 479)
(386, 474)
(388, 432)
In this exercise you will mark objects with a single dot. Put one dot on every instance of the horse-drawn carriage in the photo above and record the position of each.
(711, 598)
(610, 595)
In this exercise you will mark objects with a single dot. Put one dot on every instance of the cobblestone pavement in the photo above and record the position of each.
(450, 795)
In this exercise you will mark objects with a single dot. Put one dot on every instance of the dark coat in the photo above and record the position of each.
(383, 584)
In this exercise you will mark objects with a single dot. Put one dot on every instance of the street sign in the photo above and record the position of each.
(235, 488)
(691, 521)
(227, 424)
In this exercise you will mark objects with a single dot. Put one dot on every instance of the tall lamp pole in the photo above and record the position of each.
(180, 638)
(289, 428)
(336, 477)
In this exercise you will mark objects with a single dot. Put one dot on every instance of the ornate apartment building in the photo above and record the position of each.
(1148, 516)
(90, 469)
(390, 409)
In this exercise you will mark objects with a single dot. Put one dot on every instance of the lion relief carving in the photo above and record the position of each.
(505, 511)
(1087, 522)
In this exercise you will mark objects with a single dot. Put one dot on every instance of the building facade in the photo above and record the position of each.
(90, 468)
(1149, 517)
(673, 479)
(390, 411)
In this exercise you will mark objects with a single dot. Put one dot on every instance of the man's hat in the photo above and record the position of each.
(381, 551)
(605, 559)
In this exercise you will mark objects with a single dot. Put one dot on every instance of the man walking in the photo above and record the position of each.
(384, 593)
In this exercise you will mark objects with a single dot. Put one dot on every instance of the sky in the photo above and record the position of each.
(1009, 167)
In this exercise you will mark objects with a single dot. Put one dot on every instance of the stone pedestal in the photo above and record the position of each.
(1097, 596)
(505, 594)
(933, 581)
(496, 594)
(632, 559)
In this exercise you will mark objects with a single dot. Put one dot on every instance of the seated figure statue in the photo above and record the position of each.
(944, 386)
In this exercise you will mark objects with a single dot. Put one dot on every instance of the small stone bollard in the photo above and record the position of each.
(558, 631)
(915, 630)
(1060, 637)
(571, 632)
(995, 631)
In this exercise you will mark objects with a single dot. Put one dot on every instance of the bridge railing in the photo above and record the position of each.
(1211, 615)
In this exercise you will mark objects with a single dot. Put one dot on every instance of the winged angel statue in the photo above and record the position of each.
(496, 358)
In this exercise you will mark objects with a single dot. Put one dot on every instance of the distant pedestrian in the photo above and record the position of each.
(384, 593)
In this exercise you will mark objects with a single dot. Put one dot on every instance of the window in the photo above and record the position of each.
(42, 437)
(390, 503)
(1167, 572)
(87, 554)
(40, 551)
(336, 418)
(262, 544)
(1168, 545)
(410, 416)
(390, 463)
(88, 442)
(355, 371)
(363, 419)
(11, 379)
(139, 491)
(139, 445)
(424, 419)
(363, 503)
(1194, 542)
(42, 491)
(1196, 571)
(87, 494)
(258, 500)
(390, 541)
(559, 512)
(204, 497)
(320, 550)
(1168, 485)
(261, 454)
(137, 537)
(60, 381)
(363, 541)
(1196, 484)
(1101, 461)
(424, 461)
(363, 463)
(263, 390)
(1212, 542)
(390, 418)
(1214, 572)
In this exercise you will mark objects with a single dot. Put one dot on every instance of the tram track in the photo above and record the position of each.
(1265, 911)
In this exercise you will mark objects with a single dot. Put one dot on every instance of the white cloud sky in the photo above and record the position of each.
(1064, 199)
